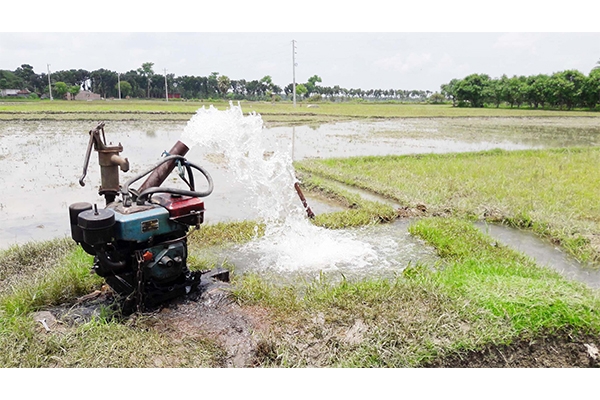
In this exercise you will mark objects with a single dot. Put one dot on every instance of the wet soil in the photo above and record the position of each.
(553, 351)
(216, 316)
(247, 335)
(209, 312)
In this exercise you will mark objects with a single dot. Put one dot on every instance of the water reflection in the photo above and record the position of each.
(543, 253)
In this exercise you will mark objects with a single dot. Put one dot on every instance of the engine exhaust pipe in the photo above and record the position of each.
(158, 176)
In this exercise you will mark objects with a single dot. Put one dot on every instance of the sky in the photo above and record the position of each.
(372, 48)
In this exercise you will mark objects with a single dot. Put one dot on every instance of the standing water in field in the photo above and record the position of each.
(291, 242)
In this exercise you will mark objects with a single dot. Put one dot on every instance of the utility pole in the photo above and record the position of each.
(49, 84)
(166, 89)
(294, 70)
(119, 84)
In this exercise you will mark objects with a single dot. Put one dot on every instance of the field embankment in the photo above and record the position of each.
(275, 113)
(551, 192)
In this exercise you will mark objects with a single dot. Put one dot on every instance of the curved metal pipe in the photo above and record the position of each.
(146, 193)
(125, 187)
(115, 266)
(159, 175)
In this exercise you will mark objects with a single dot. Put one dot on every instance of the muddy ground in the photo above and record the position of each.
(243, 331)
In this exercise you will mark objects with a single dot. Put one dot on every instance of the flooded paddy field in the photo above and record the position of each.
(41, 161)
(402, 321)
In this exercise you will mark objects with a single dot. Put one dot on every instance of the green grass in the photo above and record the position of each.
(359, 212)
(27, 260)
(104, 341)
(273, 113)
(552, 192)
(482, 294)
(101, 343)
(68, 278)
(225, 232)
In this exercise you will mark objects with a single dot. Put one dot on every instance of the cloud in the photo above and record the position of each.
(413, 61)
(447, 64)
(525, 41)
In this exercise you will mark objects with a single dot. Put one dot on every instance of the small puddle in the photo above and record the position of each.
(321, 204)
(542, 252)
(367, 194)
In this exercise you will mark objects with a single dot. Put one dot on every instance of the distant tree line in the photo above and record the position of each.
(563, 90)
(144, 82)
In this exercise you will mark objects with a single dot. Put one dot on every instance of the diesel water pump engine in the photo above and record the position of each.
(139, 239)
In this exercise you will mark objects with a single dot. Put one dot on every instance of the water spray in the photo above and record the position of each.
(290, 242)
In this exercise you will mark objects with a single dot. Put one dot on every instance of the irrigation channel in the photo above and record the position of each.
(251, 167)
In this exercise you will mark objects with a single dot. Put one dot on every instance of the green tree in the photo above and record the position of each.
(591, 89)
(60, 89)
(516, 89)
(311, 85)
(497, 90)
(301, 90)
(239, 88)
(103, 82)
(212, 87)
(447, 89)
(74, 90)
(25, 72)
(223, 83)
(437, 98)
(266, 86)
(565, 88)
(474, 89)
(147, 73)
(536, 85)
(125, 88)
(11, 80)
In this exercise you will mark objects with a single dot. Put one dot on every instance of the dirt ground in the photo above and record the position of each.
(238, 329)
(242, 331)
(557, 351)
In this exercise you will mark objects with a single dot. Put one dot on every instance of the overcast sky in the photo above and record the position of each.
(357, 58)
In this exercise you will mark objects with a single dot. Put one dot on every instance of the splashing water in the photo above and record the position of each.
(291, 242)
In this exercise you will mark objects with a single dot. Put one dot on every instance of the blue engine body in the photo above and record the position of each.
(138, 245)
(140, 226)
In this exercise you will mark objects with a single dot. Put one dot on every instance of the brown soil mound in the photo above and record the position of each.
(555, 351)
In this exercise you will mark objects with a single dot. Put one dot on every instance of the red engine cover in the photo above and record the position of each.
(179, 206)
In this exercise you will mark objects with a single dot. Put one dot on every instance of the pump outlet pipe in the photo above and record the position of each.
(158, 176)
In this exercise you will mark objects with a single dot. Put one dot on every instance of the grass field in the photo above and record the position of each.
(274, 113)
(481, 295)
(552, 192)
